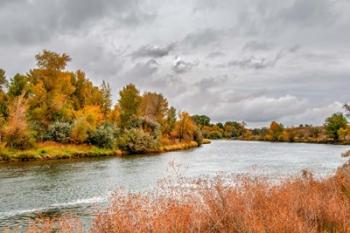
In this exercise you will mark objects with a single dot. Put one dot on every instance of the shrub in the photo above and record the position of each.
(103, 136)
(59, 132)
(17, 138)
(81, 130)
(137, 141)
(198, 137)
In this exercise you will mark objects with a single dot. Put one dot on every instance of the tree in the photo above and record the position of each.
(86, 122)
(3, 80)
(3, 96)
(51, 88)
(333, 124)
(154, 106)
(276, 131)
(185, 128)
(85, 93)
(51, 61)
(201, 120)
(129, 103)
(106, 95)
(170, 121)
(18, 85)
(17, 133)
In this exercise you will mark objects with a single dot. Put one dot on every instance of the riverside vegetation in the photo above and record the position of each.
(53, 113)
(225, 204)
(335, 130)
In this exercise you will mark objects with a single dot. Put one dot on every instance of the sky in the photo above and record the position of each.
(253, 61)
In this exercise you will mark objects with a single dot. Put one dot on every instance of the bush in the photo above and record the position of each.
(59, 132)
(16, 138)
(198, 137)
(81, 130)
(138, 141)
(103, 136)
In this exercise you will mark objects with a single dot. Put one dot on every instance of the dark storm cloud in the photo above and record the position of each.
(153, 51)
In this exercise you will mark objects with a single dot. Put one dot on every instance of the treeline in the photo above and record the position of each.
(50, 103)
(334, 130)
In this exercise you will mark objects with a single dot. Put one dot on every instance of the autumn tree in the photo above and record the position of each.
(185, 127)
(170, 121)
(17, 133)
(276, 131)
(155, 107)
(114, 115)
(333, 124)
(86, 122)
(51, 88)
(129, 103)
(85, 93)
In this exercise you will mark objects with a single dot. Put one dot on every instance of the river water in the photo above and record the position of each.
(80, 187)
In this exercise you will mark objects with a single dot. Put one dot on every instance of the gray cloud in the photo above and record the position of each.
(41, 20)
(153, 51)
(257, 46)
(257, 60)
(180, 66)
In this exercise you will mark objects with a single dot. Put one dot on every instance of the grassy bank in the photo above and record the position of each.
(225, 204)
(55, 151)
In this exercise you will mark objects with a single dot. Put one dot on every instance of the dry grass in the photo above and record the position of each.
(52, 150)
(298, 205)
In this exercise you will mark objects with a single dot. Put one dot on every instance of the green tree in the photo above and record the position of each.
(3, 80)
(333, 124)
(201, 120)
(18, 84)
(106, 98)
(170, 120)
(3, 96)
(129, 103)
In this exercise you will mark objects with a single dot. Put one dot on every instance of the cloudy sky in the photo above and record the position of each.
(254, 60)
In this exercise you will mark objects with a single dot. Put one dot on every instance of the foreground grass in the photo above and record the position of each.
(225, 204)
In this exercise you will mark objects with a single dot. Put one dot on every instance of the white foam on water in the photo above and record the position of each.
(92, 200)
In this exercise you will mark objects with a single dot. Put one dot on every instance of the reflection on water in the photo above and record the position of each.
(79, 187)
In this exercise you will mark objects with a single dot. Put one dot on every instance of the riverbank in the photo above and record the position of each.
(56, 151)
(325, 142)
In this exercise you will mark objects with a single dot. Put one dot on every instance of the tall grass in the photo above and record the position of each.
(225, 204)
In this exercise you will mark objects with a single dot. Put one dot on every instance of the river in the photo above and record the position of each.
(80, 186)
